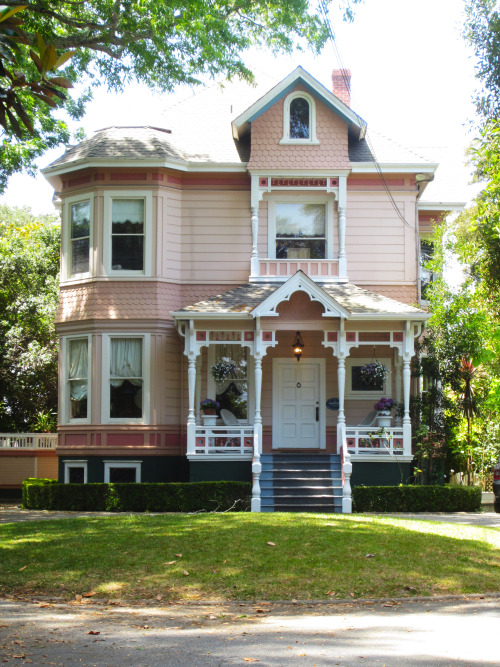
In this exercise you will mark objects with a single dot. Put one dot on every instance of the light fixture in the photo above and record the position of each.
(298, 345)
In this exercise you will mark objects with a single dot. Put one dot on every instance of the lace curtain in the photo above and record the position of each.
(78, 368)
(126, 361)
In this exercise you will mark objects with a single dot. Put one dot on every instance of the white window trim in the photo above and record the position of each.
(136, 465)
(369, 395)
(109, 196)
(311, 140)
(300, 199)
(67, 245)
(75, 464)
(105, 402)
(211, 388)
(65, 394)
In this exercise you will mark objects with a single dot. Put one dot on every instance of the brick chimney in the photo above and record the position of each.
(341, 85)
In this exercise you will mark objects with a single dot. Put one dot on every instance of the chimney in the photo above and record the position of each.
(341, 85)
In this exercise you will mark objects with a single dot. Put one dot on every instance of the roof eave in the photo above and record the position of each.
(442, 206)
(371, 167)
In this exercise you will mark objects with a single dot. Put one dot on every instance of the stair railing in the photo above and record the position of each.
(345, 459)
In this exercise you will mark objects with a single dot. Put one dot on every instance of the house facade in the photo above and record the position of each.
(197, 257)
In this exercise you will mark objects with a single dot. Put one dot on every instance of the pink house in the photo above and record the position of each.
(197, 257)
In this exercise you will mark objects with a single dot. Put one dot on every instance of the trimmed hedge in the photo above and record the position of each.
(137, 497)
(450, 498)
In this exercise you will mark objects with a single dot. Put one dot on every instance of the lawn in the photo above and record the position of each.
(247, 556)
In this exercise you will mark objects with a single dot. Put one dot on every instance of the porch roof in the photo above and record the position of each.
(358, 303)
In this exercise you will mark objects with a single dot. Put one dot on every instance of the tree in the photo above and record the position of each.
(29, 276)
(162, 44)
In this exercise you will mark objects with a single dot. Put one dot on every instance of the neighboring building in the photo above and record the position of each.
(218, 239)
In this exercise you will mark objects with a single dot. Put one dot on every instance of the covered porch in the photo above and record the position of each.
(272, 404)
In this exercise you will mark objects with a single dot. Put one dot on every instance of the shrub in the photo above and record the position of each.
(451, 498)
(137, 497)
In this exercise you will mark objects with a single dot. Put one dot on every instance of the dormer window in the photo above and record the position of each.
(299, 119)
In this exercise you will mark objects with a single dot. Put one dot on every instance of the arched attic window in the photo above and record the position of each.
(299, 119)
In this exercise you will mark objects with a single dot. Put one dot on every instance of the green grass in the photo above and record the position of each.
(228, 557)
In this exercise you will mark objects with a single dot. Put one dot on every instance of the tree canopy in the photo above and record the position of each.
(113, 43)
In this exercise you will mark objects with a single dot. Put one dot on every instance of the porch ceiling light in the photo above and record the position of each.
(298, 345)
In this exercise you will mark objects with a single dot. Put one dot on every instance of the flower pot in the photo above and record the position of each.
(209, 411)
(384, 419)
(209, 420)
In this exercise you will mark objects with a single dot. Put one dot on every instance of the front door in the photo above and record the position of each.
(298, 404)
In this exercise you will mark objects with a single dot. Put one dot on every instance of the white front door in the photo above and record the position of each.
(298, 414)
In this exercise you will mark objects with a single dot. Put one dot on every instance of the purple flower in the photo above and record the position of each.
(385, 404)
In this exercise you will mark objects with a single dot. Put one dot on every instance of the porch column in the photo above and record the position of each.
(197, 398)
(341, 390)
(342, 226)
(257, 436)
(191, 422)
(254, 260)
(406, 417)
(398, 378)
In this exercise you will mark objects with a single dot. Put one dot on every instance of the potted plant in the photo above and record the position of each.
(383, 408)
(209, 406)
(223, 369)
(373, 374)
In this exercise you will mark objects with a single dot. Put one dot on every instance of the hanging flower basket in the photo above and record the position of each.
(373, 374)
(224, 369)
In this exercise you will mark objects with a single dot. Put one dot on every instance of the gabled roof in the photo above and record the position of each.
(346, 300)
(241, 124)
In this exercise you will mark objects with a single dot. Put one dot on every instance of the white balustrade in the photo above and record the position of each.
(284, 268)
(373, 440)
(28, 440)
(224, 440)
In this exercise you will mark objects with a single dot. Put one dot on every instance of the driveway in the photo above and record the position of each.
(392, 633)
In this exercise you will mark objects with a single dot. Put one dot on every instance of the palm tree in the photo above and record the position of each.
(469, 408)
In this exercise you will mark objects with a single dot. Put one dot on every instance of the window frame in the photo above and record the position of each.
(109, 197)
(369, 394)
(424, 238)
(212, 387)
(65, 391)
(105, 402)
(136, 465)
(312, 139)
(75, 464)
(298, 199)
(67, 256)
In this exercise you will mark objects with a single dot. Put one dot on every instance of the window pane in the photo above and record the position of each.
(128, 212)
(78, 402)
(122, 475)
(300, 220)
(80, 256)
(125, 400)
(300, 249)
(127, 253)
(299, 118)
(80, 219)
(76, 475)
(232, 391)
(359, 385)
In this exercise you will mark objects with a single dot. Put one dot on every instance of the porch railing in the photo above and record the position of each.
(28, 440)
(284, 268)
(222, 440)
(370, 440)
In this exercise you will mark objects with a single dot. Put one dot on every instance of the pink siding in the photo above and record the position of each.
(267, 153)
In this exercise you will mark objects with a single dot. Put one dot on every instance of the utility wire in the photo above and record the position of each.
(347, 84)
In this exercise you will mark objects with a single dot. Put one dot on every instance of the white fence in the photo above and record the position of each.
(28, 440)
(374, 440)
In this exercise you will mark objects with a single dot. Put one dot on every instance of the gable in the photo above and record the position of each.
(267, 131)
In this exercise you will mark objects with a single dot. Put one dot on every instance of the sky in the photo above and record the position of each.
(412, 79)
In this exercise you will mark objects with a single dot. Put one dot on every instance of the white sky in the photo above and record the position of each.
(412, 79)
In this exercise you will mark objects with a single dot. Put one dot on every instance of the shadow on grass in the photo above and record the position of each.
(247, 556)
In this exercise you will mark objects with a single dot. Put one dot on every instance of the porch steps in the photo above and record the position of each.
(301, 483)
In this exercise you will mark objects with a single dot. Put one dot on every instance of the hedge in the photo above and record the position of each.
(450, 498)
(137, 497)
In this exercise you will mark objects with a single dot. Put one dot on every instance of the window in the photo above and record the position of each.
(300, 231)
(78, 369)
(426, 276)
(355, 388)
(119, 472)
(78, 237)
(300, 228)
(299, 119)
(127, 242)
(232, 392)
(75, 472)
(125, 378)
